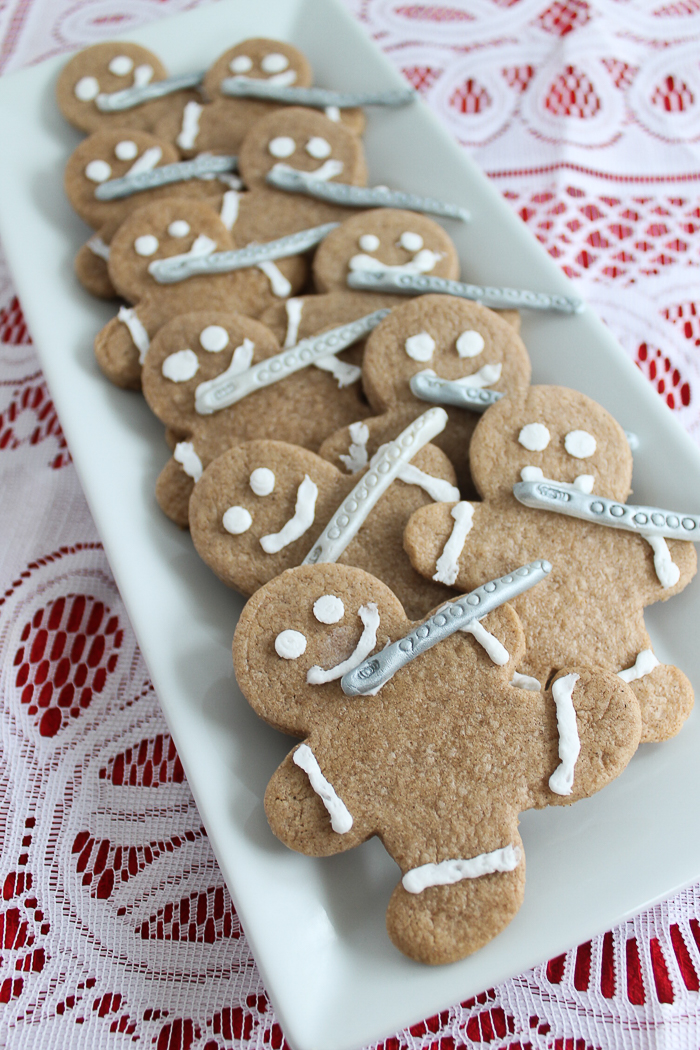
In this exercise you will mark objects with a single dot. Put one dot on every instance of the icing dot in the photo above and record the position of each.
(274, 63)
(420, 347)
(214, 338)
(290, 645)
(329, 609)
(470, 344)
(240, 64)
(236, 520)
(262, 481)
(98, 171)
(318, 147)
(180, 366)
(86, 89)
(147, 244)
(412, 242)
(282, 146)
(534, 437)
(369, 242)
(121, 65)
(126, 150)
(580, 444)
(179, 228)
(531, 473)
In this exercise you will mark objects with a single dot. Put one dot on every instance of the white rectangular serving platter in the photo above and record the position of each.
(316, 927)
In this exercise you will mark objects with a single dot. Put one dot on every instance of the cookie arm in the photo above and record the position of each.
(458, 544)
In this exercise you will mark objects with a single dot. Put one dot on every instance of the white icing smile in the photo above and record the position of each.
(303, 519)
(422, 262)
(582, 483)
(369, 615)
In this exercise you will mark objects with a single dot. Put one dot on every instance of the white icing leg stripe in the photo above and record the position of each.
(447, 872)
(644, 664)
(562, 779)
(229, 209)
(525, 681)
(303, 519)
(667, 572)
(190, 462)
(190, 125)
(495, 649)
(357, 458)
(369, 614)
(447, 566)
(278, 282)
(344, 373)
(128, 316)
(98, 247)
(341, 819)
(294, 308)
(384, 467)
(437, 488)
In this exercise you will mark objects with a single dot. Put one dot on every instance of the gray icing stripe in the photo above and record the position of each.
(448, 392)
(135, 96)
(285, 178)
(227, 390)
(351, 515)
(317, 98)
(646, 521)
(500, 298)
(179, 267)
(376, 670)
(181, 171)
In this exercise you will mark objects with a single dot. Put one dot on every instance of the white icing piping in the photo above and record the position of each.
(190, 125)
(437, 488)
(344, 373)
(562, 779)
(447, 872)
(495, 649)
(369, 614)
(186, 456)
(229, 208)
(486, 375)
(128, 316)
(328, 170)
(447, 565)
(525, 681)
(644, 664)
(303, 519)
(356, 458)
(294, 308)
(422, 262)
(667, 572)
(341, 819)
(98, 247)
(278, 282)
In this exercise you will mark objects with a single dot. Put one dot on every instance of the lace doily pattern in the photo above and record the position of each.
(116, 928)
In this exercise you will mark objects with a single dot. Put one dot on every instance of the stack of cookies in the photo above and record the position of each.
(447, 586)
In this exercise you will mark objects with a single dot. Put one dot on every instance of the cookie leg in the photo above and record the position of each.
(173, 490)
(665, 699)
(118, 356)
(91, 271)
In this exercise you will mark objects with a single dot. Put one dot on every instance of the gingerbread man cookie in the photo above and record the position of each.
(590, 611)
(438, 761)
(164, 229)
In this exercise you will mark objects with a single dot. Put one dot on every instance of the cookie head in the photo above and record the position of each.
(384, 239)
(305, 140)
(260, 59)
(102, 70)
(550, 432)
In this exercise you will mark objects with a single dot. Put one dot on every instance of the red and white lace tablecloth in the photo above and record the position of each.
(116, 927)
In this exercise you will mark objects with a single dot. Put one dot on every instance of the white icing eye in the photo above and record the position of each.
(470, 344)
(236, 520)
(420, 347)
(262, 481)
(147, 244)
(534, 437)
(412, 242)
(329, 609)
(369, 242)
(290, 645)
(98, 171)
(282, 146)
(531, 473)
(179, 228)
(318, 147)
(180, 366)
(580, 444)
(240, 64)
(214, 338)
(126, 150)
(86, 89)
(274, 63)
(121, 65)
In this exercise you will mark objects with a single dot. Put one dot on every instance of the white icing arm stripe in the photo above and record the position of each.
(644, 664)
(341, 819)
(369, 615)
(294, 308)
(278, 282)
(229, 208)
(344, 373)
(224, 391)
(667, 572)
(447, 872)
(98, 247)
(188, 459)
(135, 96)
(437, 488)
(525, 681)
(447, 566)
(495, 649)
(303, 519)
(357, 458)
(128, 316)
(561, 781)
(385, 466)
